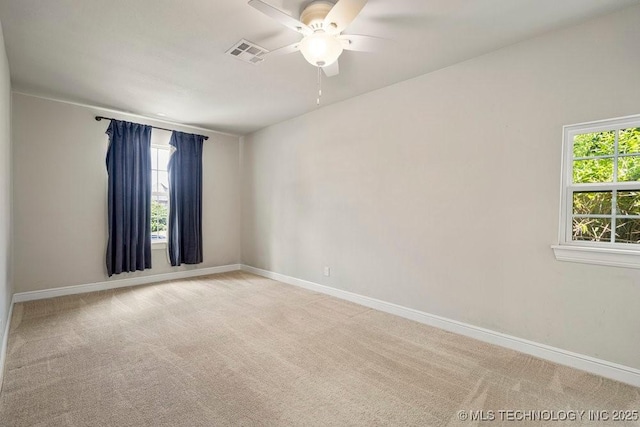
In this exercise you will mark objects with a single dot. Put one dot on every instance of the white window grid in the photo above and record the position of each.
(569, 187)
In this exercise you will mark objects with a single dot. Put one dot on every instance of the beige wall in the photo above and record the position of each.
(60, 185)
(442, 193)
(5, 188)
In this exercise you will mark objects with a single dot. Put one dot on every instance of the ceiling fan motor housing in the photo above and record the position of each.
(313, 15)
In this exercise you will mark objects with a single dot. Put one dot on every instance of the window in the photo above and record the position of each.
(159, 192)
(600, 207)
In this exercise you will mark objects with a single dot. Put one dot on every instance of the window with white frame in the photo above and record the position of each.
(601, 188)
(160, 154)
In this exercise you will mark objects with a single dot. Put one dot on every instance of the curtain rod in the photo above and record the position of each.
(98, 118)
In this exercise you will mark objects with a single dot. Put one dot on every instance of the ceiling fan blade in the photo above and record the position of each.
(331, 70)
(360, 43)
(342, 14)
(284, 50)
(286, 20)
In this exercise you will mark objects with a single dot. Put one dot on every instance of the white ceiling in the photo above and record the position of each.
(152, 56)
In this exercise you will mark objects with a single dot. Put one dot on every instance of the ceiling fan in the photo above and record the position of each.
(321, 23)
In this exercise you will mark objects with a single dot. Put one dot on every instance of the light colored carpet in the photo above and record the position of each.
(238, 349)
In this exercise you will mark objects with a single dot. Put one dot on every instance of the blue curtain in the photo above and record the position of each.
(185, 199)
(129, 197)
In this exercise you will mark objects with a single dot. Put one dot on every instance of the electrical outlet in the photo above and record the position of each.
(327, 271)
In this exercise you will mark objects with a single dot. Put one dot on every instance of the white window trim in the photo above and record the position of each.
(159, 244)
(599, 253)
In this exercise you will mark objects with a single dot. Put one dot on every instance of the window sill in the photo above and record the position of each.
(158, 245)
(599, 256)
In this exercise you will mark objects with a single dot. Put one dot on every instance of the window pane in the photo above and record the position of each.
(597, 170)
(154, 158)
(596, 202)
(159, 216)
(594, 144)
(629, 141)
(628, 230)
(592, 229)
(154, 181)
(163, 182)
(628, 202)
(629, 168)
(163, 159)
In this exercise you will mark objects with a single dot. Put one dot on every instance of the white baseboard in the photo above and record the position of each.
(121, 283)
(5, 341)
(563, 357)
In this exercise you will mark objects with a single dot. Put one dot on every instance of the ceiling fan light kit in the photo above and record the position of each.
(321, 49)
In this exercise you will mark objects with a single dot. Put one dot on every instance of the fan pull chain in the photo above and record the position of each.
(319, 85)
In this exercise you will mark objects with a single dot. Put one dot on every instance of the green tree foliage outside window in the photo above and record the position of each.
(159, 214)
(595, 157)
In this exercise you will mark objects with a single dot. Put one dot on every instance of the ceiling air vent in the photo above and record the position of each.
(247, 52)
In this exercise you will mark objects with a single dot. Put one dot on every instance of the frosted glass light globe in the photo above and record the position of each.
(321, 49)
